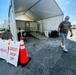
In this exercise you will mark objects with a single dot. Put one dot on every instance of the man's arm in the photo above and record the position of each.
(59, 31)
(71, 32)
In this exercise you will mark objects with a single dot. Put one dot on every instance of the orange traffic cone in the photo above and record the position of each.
(9, 40)
(23, 57)
(0, 37)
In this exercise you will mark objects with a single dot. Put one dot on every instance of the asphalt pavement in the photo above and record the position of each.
(47, 58)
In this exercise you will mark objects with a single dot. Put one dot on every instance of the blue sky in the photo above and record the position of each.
(67, 6)
(4, 6)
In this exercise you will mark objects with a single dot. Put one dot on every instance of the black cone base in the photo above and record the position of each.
(25, 63)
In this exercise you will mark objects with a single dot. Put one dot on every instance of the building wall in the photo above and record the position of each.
(73, 25)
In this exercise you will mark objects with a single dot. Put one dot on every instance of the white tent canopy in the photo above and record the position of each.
(37, 9)
(46, 13)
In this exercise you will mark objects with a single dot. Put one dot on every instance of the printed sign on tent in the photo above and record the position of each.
(3, 49)
(13, 52)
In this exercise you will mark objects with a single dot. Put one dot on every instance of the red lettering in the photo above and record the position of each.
(13, 49)
(11, 58)
(13, 54)
(3, 50)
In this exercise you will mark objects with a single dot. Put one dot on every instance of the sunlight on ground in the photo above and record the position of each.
(73, 38)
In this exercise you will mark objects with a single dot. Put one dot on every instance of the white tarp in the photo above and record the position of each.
(13, 23)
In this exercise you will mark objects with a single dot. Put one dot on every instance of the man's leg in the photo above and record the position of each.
(63, 42)
(63, 39)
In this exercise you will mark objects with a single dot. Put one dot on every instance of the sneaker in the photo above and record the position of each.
(61, 46)
(64, 49)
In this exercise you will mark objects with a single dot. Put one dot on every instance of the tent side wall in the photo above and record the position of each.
(12, 21)
(50, 24)
(20, 24)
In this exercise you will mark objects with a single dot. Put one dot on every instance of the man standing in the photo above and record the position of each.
(63, 31)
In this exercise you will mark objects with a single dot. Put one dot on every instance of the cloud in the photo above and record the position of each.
(63, 2)
(74, 22)
(67, 2)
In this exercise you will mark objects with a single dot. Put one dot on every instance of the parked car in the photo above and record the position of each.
(3, 29)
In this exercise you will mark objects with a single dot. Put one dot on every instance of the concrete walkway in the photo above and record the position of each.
(47, 58)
